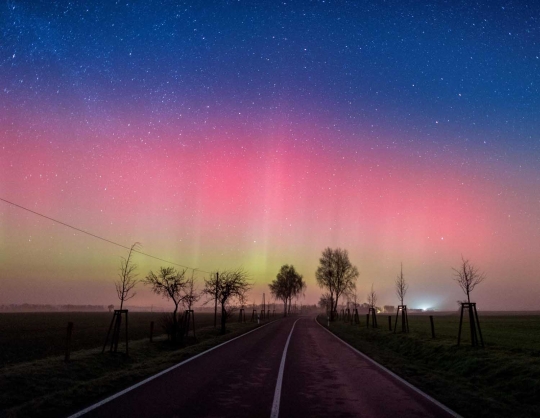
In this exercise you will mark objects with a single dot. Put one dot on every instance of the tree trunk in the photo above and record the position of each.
(215, 301)
(285, 307)
(223, 318)
(174, 325)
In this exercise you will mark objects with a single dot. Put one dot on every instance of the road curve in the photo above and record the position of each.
(326, 378)
(321, 377)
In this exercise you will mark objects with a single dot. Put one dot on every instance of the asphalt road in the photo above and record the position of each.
(321, 377)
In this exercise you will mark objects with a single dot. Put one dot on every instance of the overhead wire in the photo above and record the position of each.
(99, 237)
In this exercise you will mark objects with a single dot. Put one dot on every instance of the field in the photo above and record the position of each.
(36, 381)
(501, 380)
(36, 335)
(512, 332)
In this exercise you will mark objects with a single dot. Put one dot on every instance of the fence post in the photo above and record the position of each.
(68, 340)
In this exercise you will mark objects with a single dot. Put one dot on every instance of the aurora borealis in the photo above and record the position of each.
(255, 134)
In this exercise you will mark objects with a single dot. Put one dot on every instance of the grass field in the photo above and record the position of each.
(36, 335)
(512, 332)
(50, 387)
(502, 380)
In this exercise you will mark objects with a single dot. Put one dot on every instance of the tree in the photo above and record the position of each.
(230, 286)
(401, 286)
(211, 287)
(170, 284)
(324, 301)
(190, 296)
(110, 307)
(468, 277)
(336, 274)
(287, 284)
(372, 298)
(127, 276)
(401, 291)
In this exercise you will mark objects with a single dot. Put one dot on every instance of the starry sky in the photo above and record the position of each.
(244, 133)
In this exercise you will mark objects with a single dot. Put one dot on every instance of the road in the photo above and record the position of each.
(321, 377)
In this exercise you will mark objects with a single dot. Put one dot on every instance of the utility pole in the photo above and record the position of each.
(215, 300)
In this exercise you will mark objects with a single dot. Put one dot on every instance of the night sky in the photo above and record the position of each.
(244, 133)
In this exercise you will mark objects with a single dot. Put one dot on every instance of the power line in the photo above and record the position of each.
(98, 237)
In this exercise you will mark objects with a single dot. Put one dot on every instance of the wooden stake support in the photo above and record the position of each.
(116, 324)
(68, 341)
(404, 319)
(373, 314)
(188, 322)
(242, 315)
(474, 324)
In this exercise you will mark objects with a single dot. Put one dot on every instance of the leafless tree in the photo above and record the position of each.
(127, 276)
(287, 284)
(401, 286)
(468, 276)
(190, 295)
(170, 284)
(232, 286)
(324, 301)
(336, 274)
(353, 297)
(372, 298)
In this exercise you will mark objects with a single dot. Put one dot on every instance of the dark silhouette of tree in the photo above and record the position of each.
(110, 307)
(288, 284)
(170, 284)
(127, 277)
(190, 295)
(231, 286)
(336, 274)
(324, 301)
(468, 277)
(372, 298)
(401, 286)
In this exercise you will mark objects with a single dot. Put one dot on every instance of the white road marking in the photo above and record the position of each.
(277, 393)
(117, 395)
(425, 395)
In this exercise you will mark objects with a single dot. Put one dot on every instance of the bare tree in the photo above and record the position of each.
(401, 286)
(287, 284)
(170, 284)
(232, 286)
(324, 301)
(468, 276)
(127, 276)
(336, 274)
(372, 298)
(190, 295)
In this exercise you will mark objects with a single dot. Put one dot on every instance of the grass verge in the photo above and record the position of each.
(53, 388)
(491, 382)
